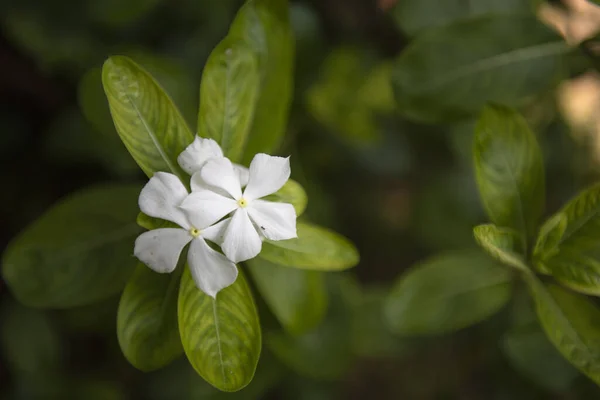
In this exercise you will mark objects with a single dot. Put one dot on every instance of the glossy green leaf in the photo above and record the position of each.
(228, 93)
(315, 248)
(146, 119)
(575, 227)
(265, 26)
(531, 353)
(509, 169)
(504, 244)
(147, 319)
(449, 73)
(292, 192)
(79, 252)
(222, 337)
(415, 17)
(297, 297)
(447, 293)
(576, 271)
(568, 244)
(572, 323)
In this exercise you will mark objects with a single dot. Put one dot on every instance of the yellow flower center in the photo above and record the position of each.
(195, 232)
(242, 202)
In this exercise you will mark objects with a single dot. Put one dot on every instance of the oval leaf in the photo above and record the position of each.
(326, 351)
(572, 323)
(292, 192)
(147, 319)
(222, 337)
(509, 169)
(447, 293)
(228, 93)
(449, 73)
(414, 17)
(297, 298)
(146, 119)
(79, 252)
(265, 26)
(567, 246)
(503, 244)
(315, 248)
(575, 227)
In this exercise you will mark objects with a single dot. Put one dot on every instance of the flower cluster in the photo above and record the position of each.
(225, 207)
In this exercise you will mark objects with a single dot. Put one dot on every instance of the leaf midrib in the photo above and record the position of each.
(218, 333)
(578, 224)
(497, 61)
(153, 137)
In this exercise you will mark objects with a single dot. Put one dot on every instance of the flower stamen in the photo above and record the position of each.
(195, 232)
(242, 202)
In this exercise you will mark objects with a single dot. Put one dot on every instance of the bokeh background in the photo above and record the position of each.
(401, 191)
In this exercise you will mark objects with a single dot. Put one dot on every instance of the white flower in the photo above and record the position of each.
(218, 192)
(160, 249)
(199, 152)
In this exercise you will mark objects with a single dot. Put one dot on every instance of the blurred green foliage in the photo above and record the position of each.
(380, 132)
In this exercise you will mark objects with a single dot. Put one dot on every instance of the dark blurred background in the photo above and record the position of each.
(401, 191)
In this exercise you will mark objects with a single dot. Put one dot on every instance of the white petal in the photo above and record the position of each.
(267, 175)
(243, 174)
(159, 249)
(161, 197)
(216, 233)
(219, 173)
(211, 270)
(198, 153)
(204, 208)
(276, 221)
(241, 241)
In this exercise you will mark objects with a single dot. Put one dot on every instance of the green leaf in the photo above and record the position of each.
(30, 343)
(265, 26)
(117, 15)
(504, 244)
(151, 223)
(447, 293)
(222, 337)
(326, 351)
(548, 239)
(297, 298)
(292, 192)
(576, 271)
(147, 319)
(572, 323)
(371, 336)
(79, 252)
(567, 246)
(148, 122)
(532, 354)
(509, 169)
(449, 73)
(315, 248)
(415, 17)
(228, 93)
(103, 139)
(575, 227)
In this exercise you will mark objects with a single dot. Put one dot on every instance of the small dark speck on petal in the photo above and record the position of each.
(262, 227)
